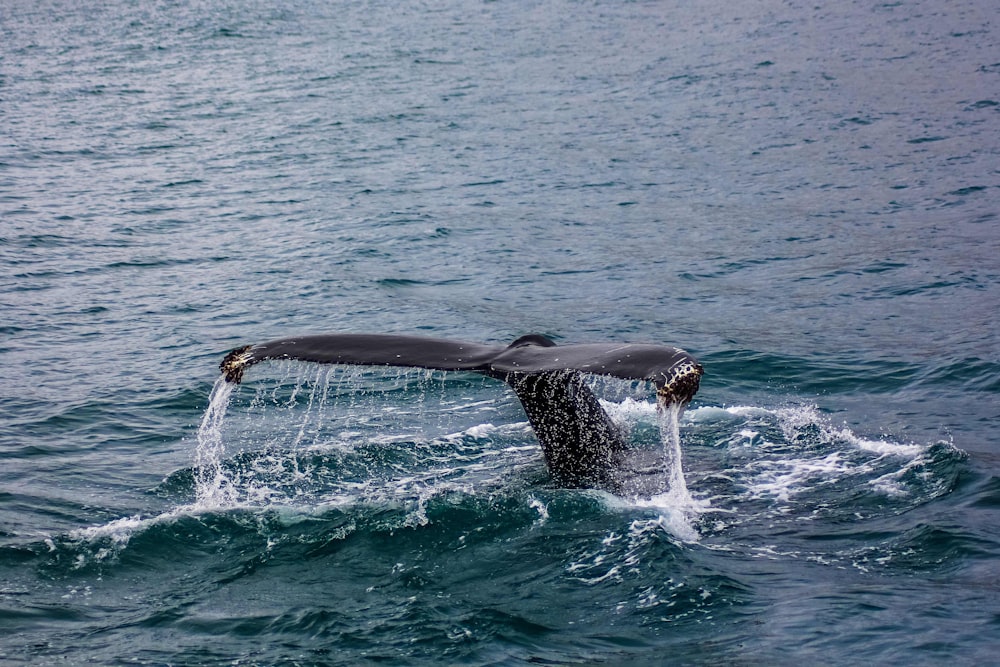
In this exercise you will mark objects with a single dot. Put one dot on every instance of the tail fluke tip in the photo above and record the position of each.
(235, 363)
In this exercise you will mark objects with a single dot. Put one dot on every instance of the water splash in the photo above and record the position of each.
(308, 454)
(678, 511)
(677, 491)
(213, 488)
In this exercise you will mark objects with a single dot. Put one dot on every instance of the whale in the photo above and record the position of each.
(581, 445)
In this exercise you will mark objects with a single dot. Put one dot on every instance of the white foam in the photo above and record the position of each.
(891, 484)
(794, 419)
(478, 431)
(785, 478)
(119, 531)
(674, 521)
(910, 450)
(541, 508)
(748, 411)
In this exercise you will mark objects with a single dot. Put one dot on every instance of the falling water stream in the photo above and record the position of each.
(213, 487)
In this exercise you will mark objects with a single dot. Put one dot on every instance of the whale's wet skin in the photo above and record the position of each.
(801, 195)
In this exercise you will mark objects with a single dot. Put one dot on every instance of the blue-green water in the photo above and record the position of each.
(803, 196)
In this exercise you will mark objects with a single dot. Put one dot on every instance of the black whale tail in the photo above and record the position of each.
(581, 444)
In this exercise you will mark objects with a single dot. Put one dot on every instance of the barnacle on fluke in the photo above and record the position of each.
(235, 363)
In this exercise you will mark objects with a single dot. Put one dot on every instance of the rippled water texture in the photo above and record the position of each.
(803, 196)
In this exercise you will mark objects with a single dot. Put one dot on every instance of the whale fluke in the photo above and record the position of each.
(581, 445)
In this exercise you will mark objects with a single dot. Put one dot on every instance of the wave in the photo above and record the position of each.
(790, 452)
(279, 456)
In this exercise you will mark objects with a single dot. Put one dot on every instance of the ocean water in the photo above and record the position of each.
(802, 195)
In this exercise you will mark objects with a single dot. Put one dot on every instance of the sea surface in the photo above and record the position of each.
(803, 195)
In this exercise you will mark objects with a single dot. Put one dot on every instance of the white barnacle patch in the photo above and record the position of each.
(235, 363)
(680, 383)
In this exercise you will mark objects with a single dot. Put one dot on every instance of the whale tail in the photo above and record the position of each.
(581, 445)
